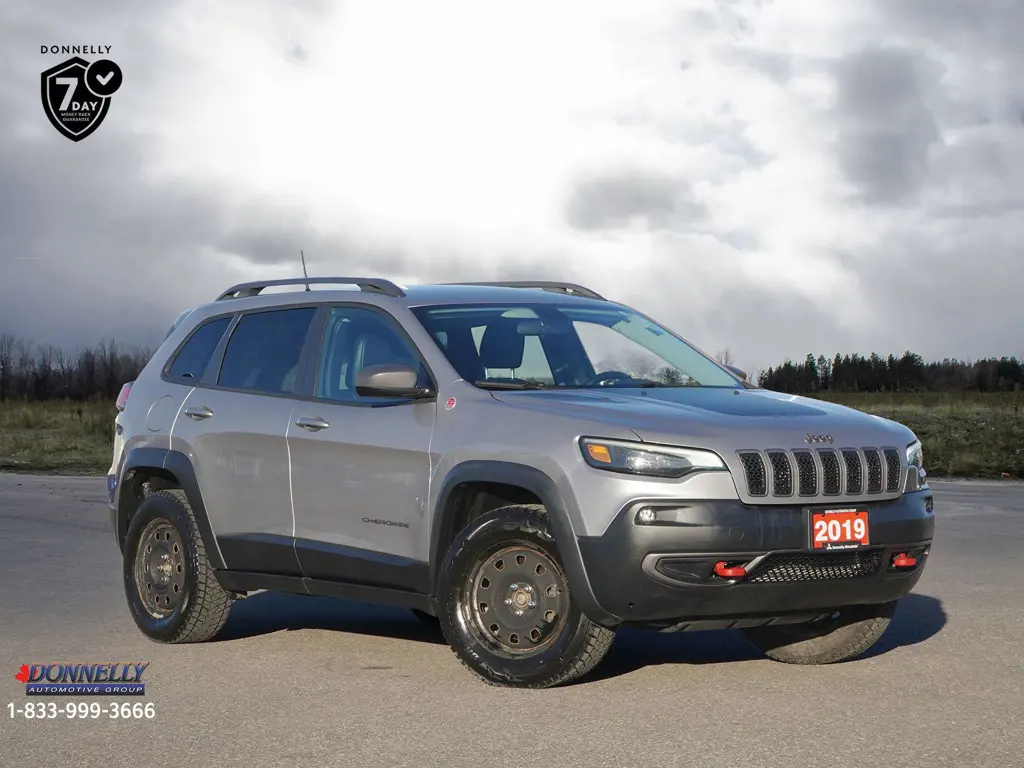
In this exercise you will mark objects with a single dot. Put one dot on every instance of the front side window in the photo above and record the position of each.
(264, 350)
(354, 339)
(195, 355)
(566, 346)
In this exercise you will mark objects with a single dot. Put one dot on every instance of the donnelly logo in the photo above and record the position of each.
(76, 93)
(82, 679)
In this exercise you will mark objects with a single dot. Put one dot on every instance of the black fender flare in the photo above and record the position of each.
(544, 488)
(180, 467)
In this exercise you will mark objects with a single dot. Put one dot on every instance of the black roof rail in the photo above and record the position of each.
(370, 284)
(571, 289)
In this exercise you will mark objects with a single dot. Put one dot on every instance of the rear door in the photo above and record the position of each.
(235, 423)
(361, 465)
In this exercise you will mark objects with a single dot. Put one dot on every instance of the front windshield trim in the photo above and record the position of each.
(436, 322)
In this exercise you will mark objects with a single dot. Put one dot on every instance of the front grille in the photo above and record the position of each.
(874, 470)
(892, 470)
(833, 475)
(757, 478)
(821, 472)
(797, 566)
(808, 473)
(782, 473)
(854, 475)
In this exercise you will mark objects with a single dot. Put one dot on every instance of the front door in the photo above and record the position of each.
(361, 465)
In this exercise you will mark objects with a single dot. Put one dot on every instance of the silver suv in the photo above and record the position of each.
(528, 465)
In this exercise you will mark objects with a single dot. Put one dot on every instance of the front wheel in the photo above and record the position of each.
(844, 634)
(506, 608)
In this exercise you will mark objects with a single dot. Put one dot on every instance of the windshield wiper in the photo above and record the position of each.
(512, 384)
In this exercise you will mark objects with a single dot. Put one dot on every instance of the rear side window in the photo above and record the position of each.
(192, 359)
(264, 349)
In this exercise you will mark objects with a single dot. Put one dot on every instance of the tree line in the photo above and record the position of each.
(907, 373)
(45, 372)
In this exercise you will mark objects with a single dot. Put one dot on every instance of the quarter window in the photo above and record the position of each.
(195, 355)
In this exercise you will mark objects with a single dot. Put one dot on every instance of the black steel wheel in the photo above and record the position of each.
(506, 608)
(160, 568)
(519, 600)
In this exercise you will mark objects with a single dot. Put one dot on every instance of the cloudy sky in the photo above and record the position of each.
(775, 176)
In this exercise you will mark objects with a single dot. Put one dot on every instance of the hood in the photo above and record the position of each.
(745, 418)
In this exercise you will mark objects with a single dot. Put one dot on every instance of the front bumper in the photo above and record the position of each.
(664, 572)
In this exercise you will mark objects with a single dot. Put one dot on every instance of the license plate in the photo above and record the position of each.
(839, 529)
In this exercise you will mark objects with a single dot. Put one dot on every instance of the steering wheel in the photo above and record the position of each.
(607, 378)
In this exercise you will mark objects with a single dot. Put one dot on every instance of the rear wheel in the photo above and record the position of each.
(506, 608)
(845, 634)
(173, 593)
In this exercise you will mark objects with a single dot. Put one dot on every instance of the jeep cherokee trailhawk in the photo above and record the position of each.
(528, 465)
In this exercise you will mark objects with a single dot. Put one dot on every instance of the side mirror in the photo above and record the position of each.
(390, 380)
(740, 374)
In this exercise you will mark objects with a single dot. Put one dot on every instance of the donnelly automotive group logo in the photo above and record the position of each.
(76, 94)
(83, 679)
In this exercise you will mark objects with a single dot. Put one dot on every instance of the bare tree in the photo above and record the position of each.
(724, 356)
(42, 381)
(65, 373)
(6, 366)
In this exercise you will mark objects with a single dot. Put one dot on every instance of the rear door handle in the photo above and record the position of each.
(312, 423)
(198, 412)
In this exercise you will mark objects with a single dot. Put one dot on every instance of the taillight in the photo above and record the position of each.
(122, 397)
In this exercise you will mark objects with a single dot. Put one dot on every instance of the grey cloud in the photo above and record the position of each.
(90, 248)
(886, 129)
(989, 28)
(612, 200)
(775, 65)
(714, 305)
(720, 132)
(947, 289)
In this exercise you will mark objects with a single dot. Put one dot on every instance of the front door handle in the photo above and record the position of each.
(198, 412)
(312, 423)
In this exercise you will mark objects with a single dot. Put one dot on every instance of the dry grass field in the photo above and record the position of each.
(964, 435)
(969, 435)
(59, 436)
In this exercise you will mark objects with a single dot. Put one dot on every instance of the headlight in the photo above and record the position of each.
(915, 456)
(644, 459)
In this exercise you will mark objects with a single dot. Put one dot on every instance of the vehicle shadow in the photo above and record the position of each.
(918, 618)
(268, 612)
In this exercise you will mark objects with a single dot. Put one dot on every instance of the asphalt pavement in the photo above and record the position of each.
(322, 682)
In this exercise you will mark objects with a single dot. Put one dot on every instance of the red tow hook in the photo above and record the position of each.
(903, 560)
(736, 572)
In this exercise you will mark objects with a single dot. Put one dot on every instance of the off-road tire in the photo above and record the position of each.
(838, 638)
(572, 651)
(204, 606)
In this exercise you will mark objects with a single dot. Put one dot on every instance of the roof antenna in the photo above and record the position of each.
(304, 273)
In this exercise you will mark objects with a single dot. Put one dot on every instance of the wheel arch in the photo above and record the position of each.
(171, 469)
(518, 478)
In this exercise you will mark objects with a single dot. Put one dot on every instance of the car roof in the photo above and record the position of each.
(418, 295)
(382, 293)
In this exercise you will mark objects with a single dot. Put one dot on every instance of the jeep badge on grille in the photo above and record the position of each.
(818, 439)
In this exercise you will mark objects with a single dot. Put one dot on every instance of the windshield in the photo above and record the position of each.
(534, 346)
